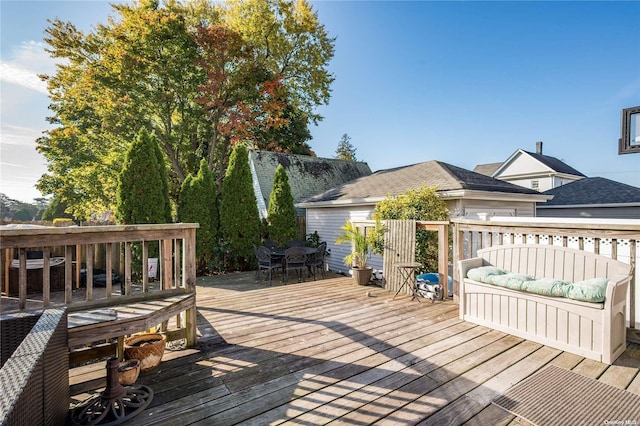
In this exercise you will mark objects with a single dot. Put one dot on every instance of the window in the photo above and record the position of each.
(535, 185)
(630, 140)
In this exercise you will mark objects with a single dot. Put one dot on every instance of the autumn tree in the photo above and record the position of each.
(198, 78)
(239, 217)
(281, 214)
(346, 150)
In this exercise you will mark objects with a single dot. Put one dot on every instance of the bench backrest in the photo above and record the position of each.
(546, 261)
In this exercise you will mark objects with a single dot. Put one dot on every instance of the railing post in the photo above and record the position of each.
(189, 282)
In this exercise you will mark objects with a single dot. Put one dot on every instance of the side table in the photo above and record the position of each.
(407, 270)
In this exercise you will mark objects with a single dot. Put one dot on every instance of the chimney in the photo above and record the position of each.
(539, 147)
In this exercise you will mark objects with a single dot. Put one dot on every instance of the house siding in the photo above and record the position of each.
(327, 222)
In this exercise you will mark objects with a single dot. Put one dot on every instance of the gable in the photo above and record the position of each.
(533, 164)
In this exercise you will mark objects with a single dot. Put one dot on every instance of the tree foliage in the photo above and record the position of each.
(142, 194)
(292, 43)
(239, 217)
(56, 209)
(346, 150)
(198, 78)
(198, 203)
(419, 204)
(281, 213)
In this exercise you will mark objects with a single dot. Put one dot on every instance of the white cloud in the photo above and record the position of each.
(15, 75)
(18, 135)
(28, 60)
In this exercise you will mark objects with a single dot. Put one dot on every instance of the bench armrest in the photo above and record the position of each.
(466, 264)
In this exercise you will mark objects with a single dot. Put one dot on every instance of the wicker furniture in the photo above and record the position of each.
(34, 380)
(593, 330)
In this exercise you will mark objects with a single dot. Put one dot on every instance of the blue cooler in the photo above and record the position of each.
(433, 278)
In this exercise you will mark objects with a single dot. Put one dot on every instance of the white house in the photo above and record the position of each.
(532, 170)
(466, 193)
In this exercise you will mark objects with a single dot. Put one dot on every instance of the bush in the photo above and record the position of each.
(198, 203)
(239, 217)
(281, 214)
(419, 204)
(142, 195)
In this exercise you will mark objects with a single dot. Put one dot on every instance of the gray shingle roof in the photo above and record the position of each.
(307, 175)
(395, 181)
(590, 191)
(555, 164)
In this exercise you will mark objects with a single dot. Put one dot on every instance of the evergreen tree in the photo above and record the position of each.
(281, 214)
(239, 218)
(142, 195)
(345, 150)
(198, 203)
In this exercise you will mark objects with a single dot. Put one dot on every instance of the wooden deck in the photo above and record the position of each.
(330, 351)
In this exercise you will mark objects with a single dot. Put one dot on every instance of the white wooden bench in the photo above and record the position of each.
(593, 330)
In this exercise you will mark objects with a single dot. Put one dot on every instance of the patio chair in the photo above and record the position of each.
(319, 261)
(266, 262)
(295, 259)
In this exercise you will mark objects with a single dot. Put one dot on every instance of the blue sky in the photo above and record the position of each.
(461, 82)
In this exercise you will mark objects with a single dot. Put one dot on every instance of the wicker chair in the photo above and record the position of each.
(295, 259)
(266, 262)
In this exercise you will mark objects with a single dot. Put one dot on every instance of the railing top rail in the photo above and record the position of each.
(48, 236)
(630, 226)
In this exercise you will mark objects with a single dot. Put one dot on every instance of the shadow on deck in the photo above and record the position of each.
(328, 351)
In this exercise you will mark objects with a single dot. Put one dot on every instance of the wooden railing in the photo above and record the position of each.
(612, 238)
(124, 249)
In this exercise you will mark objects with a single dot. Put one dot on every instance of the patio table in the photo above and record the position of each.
(407, 270)
(278, 253)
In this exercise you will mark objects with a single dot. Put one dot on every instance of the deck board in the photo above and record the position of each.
(324, 352)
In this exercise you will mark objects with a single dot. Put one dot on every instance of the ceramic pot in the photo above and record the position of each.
(148, 348)
(128, 371)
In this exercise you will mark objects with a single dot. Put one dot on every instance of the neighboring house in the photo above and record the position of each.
(592, 198)
(532, 170)
(307, 175)
(466, 193)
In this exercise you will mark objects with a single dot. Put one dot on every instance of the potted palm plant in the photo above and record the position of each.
(357, 259)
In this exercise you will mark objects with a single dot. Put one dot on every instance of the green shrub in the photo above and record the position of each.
(198, 203)
(419, 204)
(239, 217)
(142, 195)
(281, 214)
